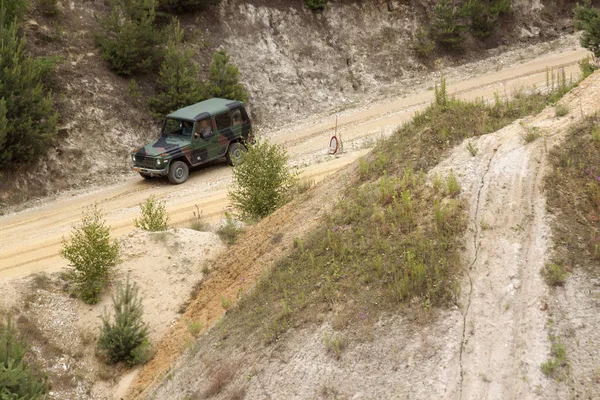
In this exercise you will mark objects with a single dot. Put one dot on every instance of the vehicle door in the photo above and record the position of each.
(226, 130)
(205, 141)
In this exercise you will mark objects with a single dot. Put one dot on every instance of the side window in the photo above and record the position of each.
(237, 116)
(223, 121)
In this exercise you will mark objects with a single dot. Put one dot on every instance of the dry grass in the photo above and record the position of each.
(218, 380)
(573, 192)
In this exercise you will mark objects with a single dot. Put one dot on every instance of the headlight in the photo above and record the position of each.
(158, 161)
(133, 157)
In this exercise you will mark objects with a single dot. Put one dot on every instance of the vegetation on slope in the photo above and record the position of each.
(393, 241)
(573, 192)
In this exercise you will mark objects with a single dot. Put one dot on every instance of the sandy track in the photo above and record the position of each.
(31, 239)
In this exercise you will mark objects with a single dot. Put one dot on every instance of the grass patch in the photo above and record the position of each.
(335, 344)
(198, 223)
(561, 110)
(555, 274)
(393, 241)
(573, 193)
(530, 133)
(556, 366)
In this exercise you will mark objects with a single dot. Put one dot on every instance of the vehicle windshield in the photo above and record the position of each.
(176, 127)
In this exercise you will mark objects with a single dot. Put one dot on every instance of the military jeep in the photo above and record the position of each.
(194, 135)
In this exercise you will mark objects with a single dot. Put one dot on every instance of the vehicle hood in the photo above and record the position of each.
(170, 145)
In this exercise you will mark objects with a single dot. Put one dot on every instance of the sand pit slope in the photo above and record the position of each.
(504, 299)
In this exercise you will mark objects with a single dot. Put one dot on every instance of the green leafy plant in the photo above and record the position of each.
(17, 379)
(334, 344)
(557, 365)
(178, 84)
(530, 133)
(91, 255)
(27, 114)
(154, 216)
(262, 182)
(587, 67)
(125, 338)
(223, 79)
(130, 42)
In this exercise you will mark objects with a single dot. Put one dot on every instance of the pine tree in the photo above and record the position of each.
(223, 79)
(125, 339)
(91, 256)
(131, 41)
(27, 116)
(587, 18)
(15, 10)
(178, 84)
(447, 24)
(17, 380)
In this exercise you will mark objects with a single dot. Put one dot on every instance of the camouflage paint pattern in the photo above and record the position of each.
(155, 157)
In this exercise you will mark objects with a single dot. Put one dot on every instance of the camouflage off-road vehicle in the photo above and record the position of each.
(194, 135)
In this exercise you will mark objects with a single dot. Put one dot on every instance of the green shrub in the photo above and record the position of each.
(561, 110)
(484, 14)
(48, 7)
(447, 24)
(178, 82)
(13, 10)
(131, 42)
(223, 79)
(230, 231)
(27, 116)
(180, 6)
(261, 183)
(126, 338)
(586, 67)
(587, 18)
(315, 4)
(91, 256)
(555, 274)
(154, 216)
(17, 379)
(423, 44)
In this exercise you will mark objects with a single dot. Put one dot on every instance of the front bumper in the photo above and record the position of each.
(151, 172)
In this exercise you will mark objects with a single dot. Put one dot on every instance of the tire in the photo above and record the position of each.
(145, 176)
(235, 153)
(178, 172)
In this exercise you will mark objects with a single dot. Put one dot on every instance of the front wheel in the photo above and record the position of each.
(178, 172)
(235, 153)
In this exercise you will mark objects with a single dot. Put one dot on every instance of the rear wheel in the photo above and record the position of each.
(178, 172)
(235, 153)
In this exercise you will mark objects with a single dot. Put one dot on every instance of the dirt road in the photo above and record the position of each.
(31, 239)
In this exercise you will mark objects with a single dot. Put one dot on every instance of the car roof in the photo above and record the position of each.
(205, 109)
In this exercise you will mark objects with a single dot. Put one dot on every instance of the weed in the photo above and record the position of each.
(198, 223)
(335, 344)
(555, 274)
(596, 134)
(304, 184)
(556, 366)
(229, 231)
(561, 110)
(471, 148)
(194, 328)
(225, 302)
(452, 185)
(530, 132)
(133, 89)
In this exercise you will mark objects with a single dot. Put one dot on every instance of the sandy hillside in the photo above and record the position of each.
(62, 330)
(491, 346)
